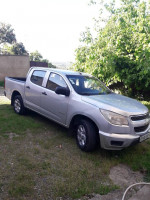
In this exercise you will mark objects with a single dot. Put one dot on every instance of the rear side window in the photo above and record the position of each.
(37, 77)
(54, 81)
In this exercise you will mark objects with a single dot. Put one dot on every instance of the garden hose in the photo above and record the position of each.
(142, 183)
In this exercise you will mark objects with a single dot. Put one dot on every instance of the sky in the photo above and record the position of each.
(52, 27)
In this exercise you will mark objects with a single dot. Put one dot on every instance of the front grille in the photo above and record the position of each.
(140, 117)
(141, 128)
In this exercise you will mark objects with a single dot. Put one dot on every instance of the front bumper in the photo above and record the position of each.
(113, 141)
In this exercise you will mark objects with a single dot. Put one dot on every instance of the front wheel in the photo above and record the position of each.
(18, 105)
(86, 136)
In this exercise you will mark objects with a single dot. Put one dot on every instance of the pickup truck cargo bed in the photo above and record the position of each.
(18, 78)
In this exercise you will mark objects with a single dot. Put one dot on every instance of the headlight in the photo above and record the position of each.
(114, 118)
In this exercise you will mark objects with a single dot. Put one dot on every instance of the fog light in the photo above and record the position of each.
(117, 143)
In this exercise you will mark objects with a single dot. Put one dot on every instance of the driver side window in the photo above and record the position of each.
(54, 81)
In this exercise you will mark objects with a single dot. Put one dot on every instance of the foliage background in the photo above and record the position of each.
(119, 55)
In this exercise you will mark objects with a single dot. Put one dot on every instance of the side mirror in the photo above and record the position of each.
(62, 90)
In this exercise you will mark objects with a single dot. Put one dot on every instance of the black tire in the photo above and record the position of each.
(86, 136)
(18, 105)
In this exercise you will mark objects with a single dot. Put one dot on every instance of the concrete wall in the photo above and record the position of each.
(15, 66)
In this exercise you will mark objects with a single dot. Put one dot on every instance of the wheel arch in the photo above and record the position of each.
(77, 117)
(15, 93)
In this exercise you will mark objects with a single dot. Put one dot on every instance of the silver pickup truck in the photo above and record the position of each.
(83, 104)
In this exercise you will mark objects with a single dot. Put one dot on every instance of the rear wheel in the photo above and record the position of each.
(86, 136)
(18, 105)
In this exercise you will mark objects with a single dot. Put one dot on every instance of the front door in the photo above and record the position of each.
(54, 106)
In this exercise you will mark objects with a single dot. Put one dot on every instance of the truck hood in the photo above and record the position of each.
(116, 103)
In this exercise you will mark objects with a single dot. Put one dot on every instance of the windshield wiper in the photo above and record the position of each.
(90, 94)
(85, 93)
(109, 92)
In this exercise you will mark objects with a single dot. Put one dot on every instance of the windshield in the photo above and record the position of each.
(87, 85)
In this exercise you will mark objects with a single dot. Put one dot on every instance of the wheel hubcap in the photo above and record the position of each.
(81, 135)
(17, 105)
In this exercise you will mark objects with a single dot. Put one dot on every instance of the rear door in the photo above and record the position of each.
(33, 89)
(53, 105)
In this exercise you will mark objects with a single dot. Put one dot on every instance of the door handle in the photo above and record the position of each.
(44, 93)
(28, 87)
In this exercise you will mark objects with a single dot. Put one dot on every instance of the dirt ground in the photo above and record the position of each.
(123, 176)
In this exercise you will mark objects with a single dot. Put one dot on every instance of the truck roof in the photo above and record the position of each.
(61, 71)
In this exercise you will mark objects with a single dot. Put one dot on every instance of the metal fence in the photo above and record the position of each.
(38, 64)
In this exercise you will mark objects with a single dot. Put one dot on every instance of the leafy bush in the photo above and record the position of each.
(1, 83)
(120, 54)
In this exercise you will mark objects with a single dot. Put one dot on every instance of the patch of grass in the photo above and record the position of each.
(17, 123)
(137, 157)
(104, 189)
(1, 83)
(20, 189)
(25, 162)
(22, 185)
(42, 162)
(46, 165)
(42, 149)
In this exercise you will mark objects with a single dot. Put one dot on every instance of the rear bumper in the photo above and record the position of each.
(112, 141)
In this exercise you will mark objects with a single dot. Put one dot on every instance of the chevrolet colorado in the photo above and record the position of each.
(82, 103)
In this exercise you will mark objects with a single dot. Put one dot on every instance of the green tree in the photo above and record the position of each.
(7, 34)
(15, 49)
(120, 54)
(8, 42)
(37, 57)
